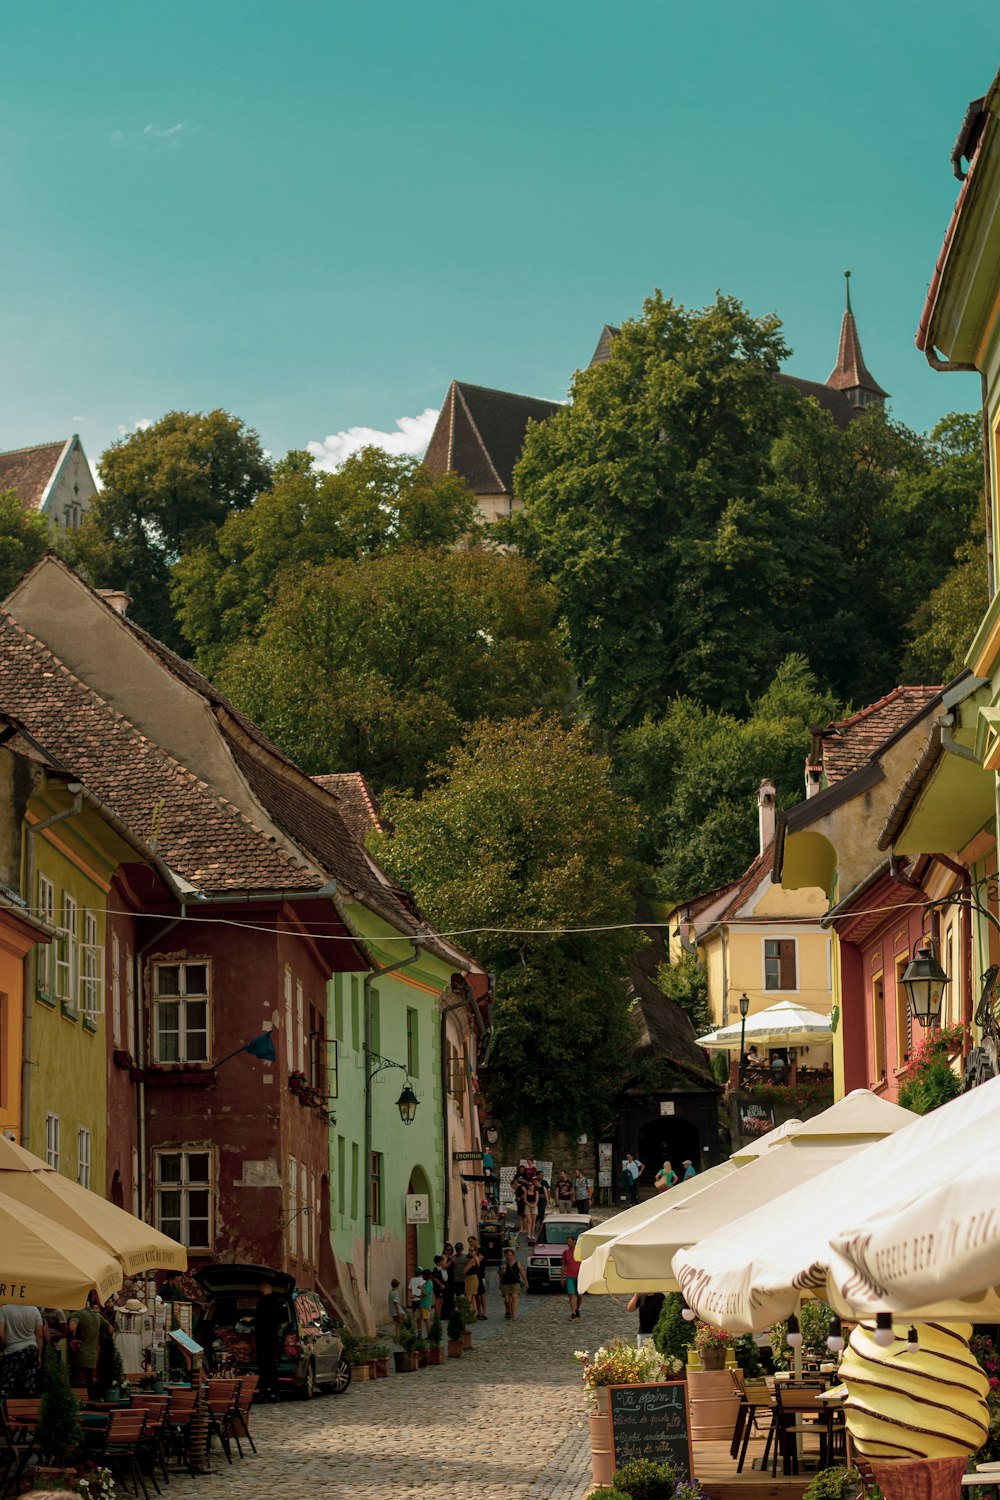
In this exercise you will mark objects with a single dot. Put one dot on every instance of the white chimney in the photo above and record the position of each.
(118, 600)
(765, 813)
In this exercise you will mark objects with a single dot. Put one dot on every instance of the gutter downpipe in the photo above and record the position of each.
(945, 366)
(31, 833)
(370, 978)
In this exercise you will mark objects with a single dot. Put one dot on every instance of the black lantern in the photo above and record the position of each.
(407, 1104)
(924, 980)
(744, 1004)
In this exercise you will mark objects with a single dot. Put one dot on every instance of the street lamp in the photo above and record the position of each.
(744, 1004)
(407, 1104)
(924, 981)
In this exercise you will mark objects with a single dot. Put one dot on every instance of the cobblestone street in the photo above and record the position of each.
(508, 1420)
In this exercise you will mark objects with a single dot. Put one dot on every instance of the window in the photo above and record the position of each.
(300, 1029)
(116, 991)
(355, 1175)
(91, 969)
(341, 1175)
(902, 1015)
(289, 1033)
(66, 958)
(305, 1212)
(45, 952)
(83, 1157)
(779, 964)
(376, 1187)
(129, 1003)
(181, 1011)
(355, 1014)
(332, 1069)
(878, 1027)
(292, 1206)
(52, 1141)
(338, 1007)
(412, 1043)
(184, 1197)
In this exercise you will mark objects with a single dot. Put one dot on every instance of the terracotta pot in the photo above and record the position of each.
(405, 1362)
(359, 1372)
(713, 1359)
(467, 1339)
(455, 1347)
(920, 1478)
(382, 1367)
(602, 1459)
(423, 1358)
(435, 1355)
(602, 1403)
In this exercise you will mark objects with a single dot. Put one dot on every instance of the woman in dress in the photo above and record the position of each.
(511, 1282)
(21, 1337)
(471, 1272)
(530, 1210)
(665, 1178)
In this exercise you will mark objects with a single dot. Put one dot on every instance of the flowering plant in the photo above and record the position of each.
(707, 1337)
(621, 1363)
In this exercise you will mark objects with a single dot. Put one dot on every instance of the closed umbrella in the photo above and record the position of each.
(640, 1259)
(43, 1264)
(31, 1181)
(784, 1025)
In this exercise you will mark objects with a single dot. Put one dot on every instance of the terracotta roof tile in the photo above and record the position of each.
(480, 434)
(27, 471)
(847, 744)
(199, 834)
(358, 806)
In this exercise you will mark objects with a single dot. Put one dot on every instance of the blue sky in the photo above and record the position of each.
(317, 214)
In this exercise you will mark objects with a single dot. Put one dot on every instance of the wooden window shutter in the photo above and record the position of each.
(786, 957)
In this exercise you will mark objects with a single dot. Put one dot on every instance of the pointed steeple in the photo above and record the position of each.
(850, 374)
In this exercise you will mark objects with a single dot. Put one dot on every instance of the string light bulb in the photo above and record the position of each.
(835, 1336)
(793, 1337)
(688, 1313)
(912, 1342)
(883, 1334)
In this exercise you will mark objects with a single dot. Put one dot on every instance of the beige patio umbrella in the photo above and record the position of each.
(640, 1259)
(31, 1181)
(784, 1024)
(43, 1264)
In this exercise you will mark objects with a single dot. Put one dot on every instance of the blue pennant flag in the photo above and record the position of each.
(262, 1046)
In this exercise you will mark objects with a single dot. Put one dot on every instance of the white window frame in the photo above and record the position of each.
(305, 1214)
(289, 1031)
(292, 1210)
(116, 990)
(83, 1156)
(300, 1032)
(66, 956)
(91, 976)
(181, 1000)
(180, 1226)
(52, 1141)
(129, 1002)
(45, 957)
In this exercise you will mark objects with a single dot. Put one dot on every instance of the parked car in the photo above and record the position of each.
(311, 1355)
(544, 1268)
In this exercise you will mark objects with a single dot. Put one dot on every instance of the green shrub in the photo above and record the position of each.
(673, 1335)
(456, 1325)
(604, 1493)
(408, 1336)
(60, 1435)
(748, 1356)
(436, 1332)
(833, 1484)
(643, 1479)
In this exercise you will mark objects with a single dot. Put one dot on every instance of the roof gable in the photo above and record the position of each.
(358, 804)
(480, 433)
(845, 745)
(30, 471)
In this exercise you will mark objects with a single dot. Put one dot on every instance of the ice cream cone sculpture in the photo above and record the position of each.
(925, 1404)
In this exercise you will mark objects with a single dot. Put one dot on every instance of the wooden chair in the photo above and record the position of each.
(122, 1444)
(221, 1397)
(242, 1403)
(177, 1426)
(155, 1408)
(754, 1396)
(794, 1403)
(18, 1441)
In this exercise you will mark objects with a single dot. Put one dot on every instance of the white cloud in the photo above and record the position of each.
(139, 426)
(163, 135)
(410, 440)
(151, 137)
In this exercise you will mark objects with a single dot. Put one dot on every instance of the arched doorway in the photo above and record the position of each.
(667, 1138)
(420, 1242)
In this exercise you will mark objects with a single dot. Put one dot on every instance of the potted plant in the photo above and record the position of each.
(378, 1360)
(712, 1343)
(435, 1355)
(619, 1362)
(468, 1313)
(423, 1351)
(60, 1434)
(456, 1328)
(406, 1357)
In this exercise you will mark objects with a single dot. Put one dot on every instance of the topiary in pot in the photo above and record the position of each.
(673, 1334)
(60, 1435)
(643, 1479)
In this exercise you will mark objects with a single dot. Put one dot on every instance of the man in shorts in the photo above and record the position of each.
(571, 1270)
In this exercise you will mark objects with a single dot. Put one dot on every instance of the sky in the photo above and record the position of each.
(316, 215)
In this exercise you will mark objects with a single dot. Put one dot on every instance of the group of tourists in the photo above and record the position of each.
(24, 1333)
(666, 1177)
(535, 1196)
(432, 1290)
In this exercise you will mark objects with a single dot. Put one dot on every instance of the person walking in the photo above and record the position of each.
(689, 1170)
(531, 1209)
(631, 1170)
(84, 1336)
(480, 1299)
(511, 1281)
(471, 1273)
(571, 1270)
(564, 1193)
(21, 1339)
(426, 1306)
(665, 1178)
(519, 1184)
(581, 1192)
(648, 1305)
(270, 1316)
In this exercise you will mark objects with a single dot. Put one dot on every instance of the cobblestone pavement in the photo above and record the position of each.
(505, 1422)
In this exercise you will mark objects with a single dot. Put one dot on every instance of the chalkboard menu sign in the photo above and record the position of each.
(651, 1421)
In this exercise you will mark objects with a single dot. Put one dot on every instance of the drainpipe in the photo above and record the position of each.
(370, 978)
(32, 831)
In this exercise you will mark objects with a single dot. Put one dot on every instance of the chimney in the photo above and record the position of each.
(118, 600)
(765, 813)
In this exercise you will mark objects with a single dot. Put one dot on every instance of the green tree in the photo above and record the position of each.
(24, 536)
(687, 982)
(520, 839)
(945, 624)
(694, 773)
(375, 503)
(646, 503)
(167, 489)
(378, 664)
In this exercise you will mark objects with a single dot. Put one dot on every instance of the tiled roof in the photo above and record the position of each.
(847, 744)
(835, 402)
(480, 434)
(751, 878)
(358, 806)
(603, 350)
(850, 372)
(199, 834)
(27, 471)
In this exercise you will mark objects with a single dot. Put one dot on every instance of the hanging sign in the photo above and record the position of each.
(418, 1208)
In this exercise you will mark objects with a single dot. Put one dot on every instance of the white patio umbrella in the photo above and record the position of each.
(786, 1024)
(640, 1259)
(913, 1219)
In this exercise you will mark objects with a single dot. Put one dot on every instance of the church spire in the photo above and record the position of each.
(850, 374)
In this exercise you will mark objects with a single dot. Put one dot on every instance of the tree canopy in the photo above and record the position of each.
(378, 664)
(24, 536)
(166, 489)
(375, 503)
(522, 833)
